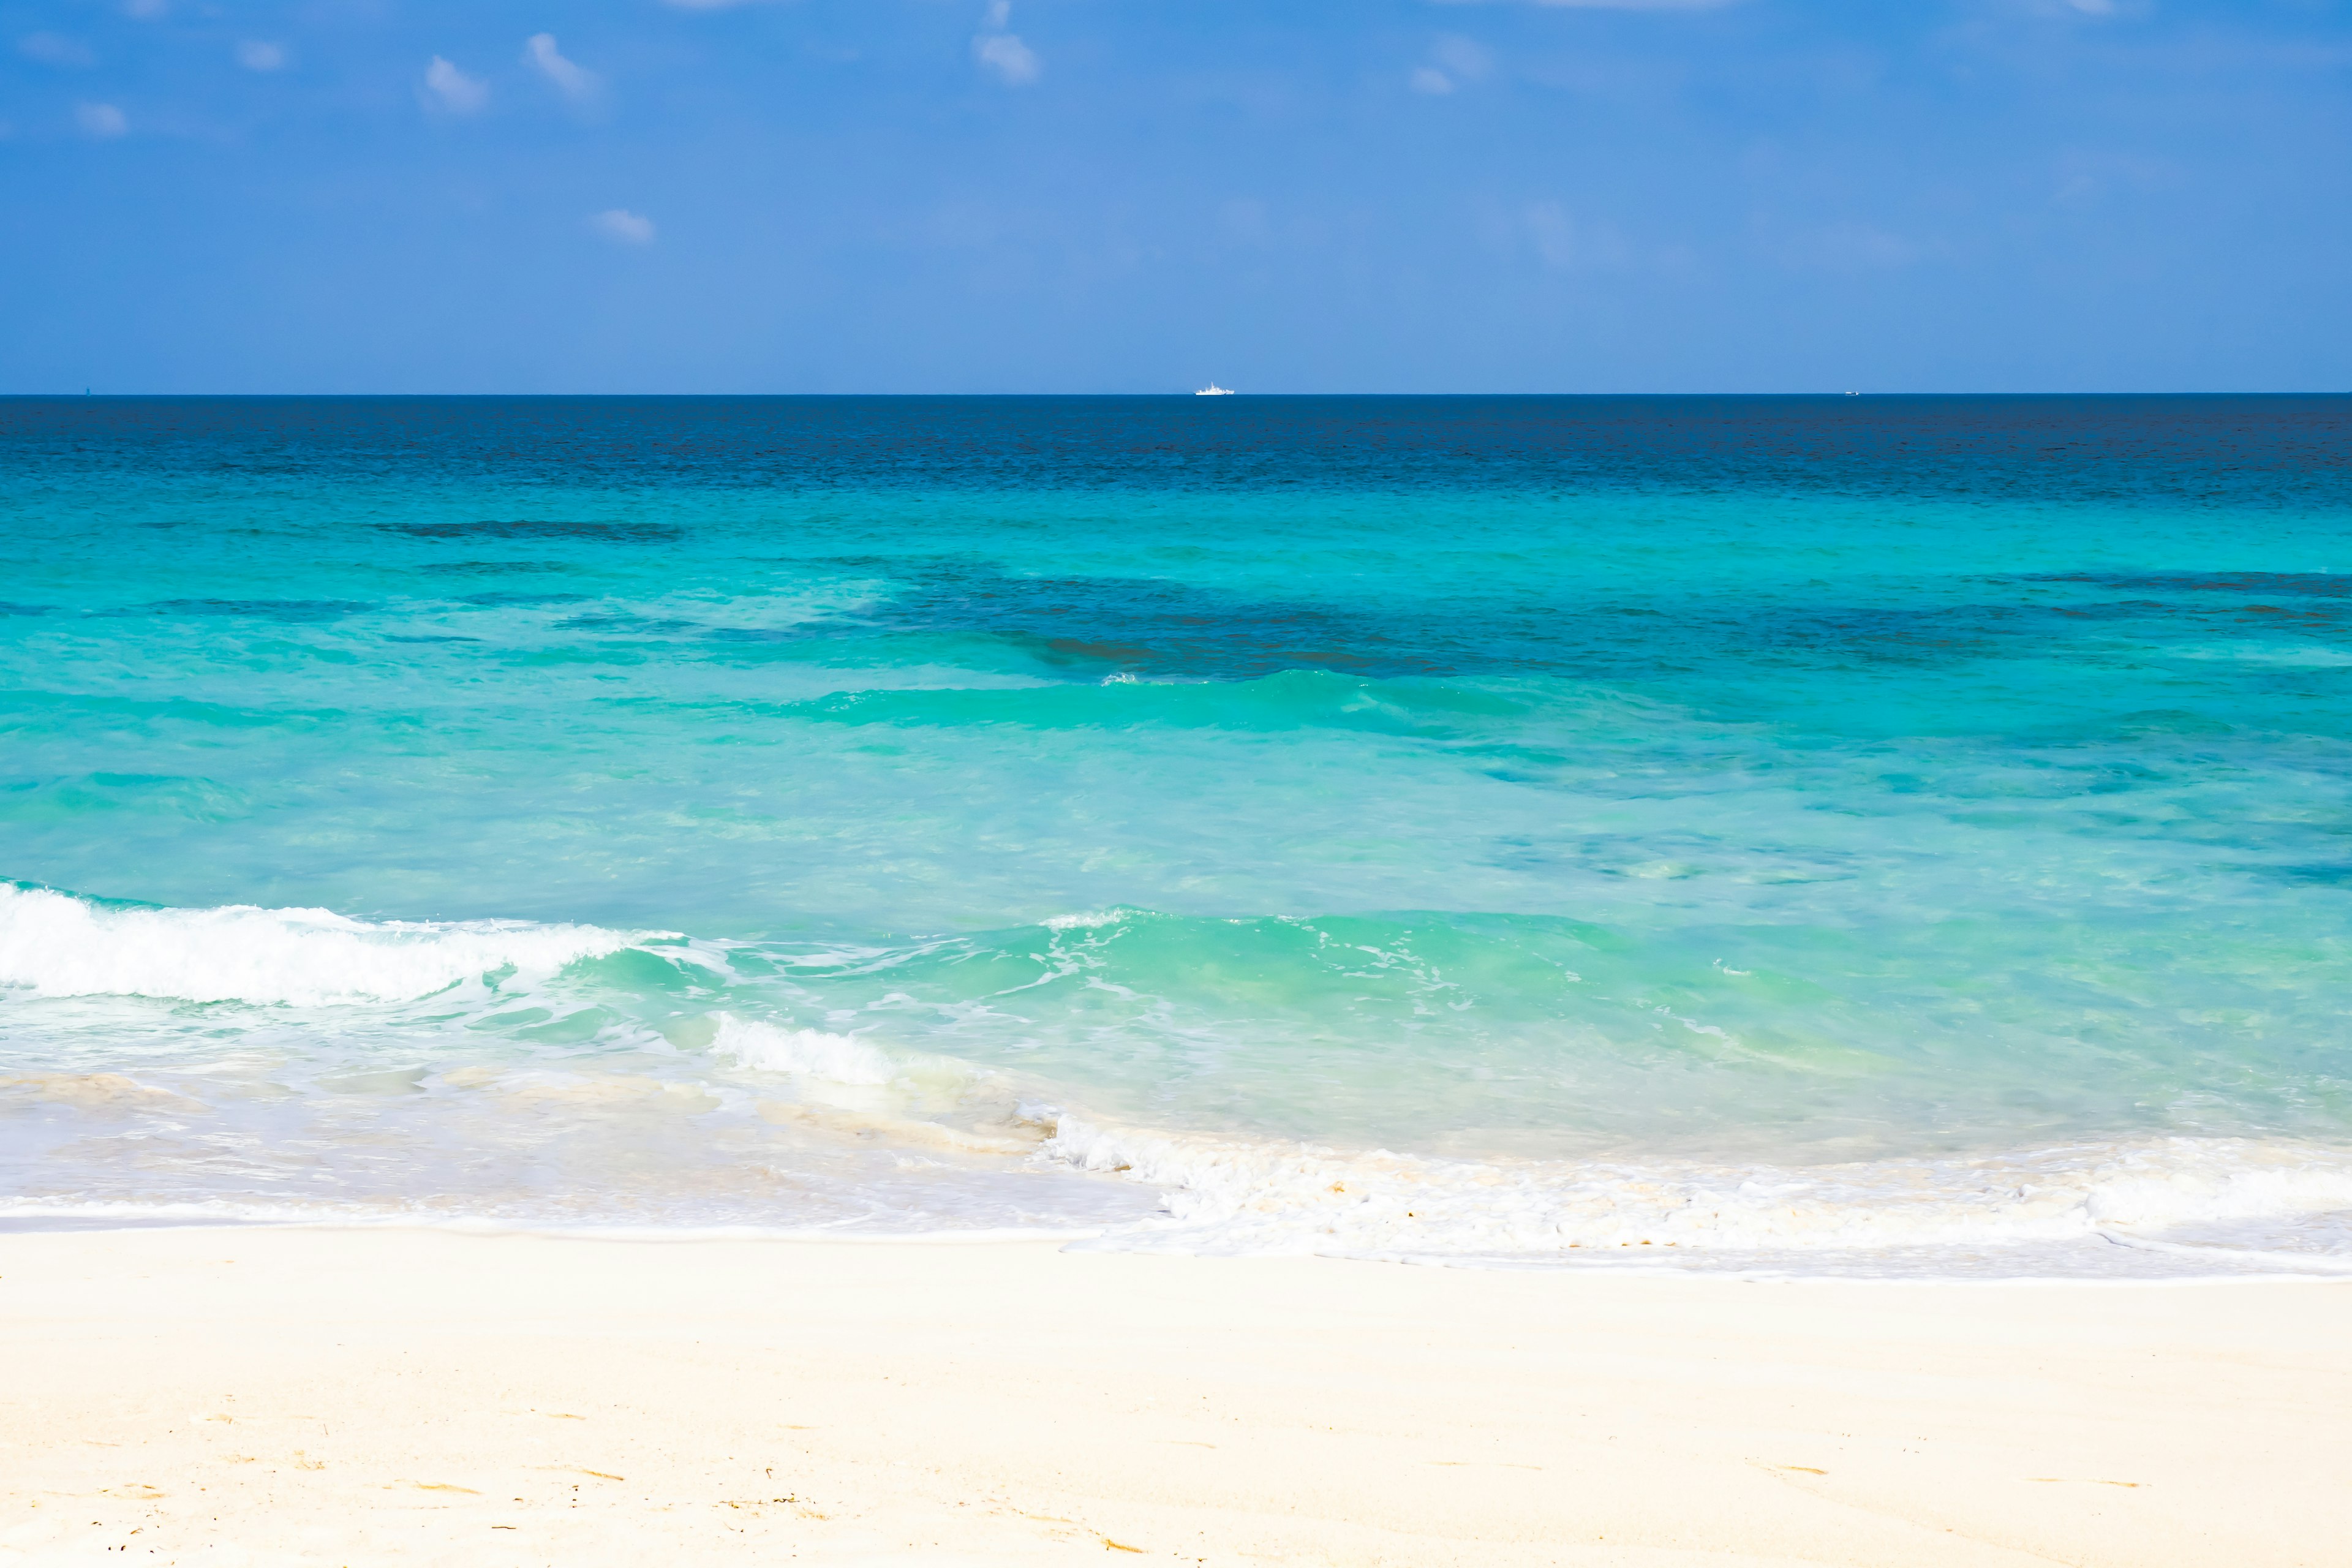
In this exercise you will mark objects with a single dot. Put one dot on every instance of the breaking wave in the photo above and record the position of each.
(59, 944)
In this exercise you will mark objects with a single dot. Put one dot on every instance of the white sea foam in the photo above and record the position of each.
(54, 944)
(2187, 1205)
(845, 1085)
(801, 1053)
(1090, 919)
(1230, 1196)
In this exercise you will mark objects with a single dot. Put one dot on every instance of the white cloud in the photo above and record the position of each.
(55, 49)
(1467, 59)
(622, 226)
(576, 82)
(259, 55)
(1428, 79)
(452, 91)
(147, 10)
(1014, 62)
(101, 119)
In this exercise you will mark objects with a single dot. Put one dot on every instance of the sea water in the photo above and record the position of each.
(1850, 834)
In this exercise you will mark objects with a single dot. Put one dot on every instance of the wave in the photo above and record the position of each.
(678, 1083)
(1279, 702)
(1257, 1196)
(54, 944)
(845, 1085)
(801, 1053)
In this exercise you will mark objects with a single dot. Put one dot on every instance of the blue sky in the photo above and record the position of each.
(1134, 195)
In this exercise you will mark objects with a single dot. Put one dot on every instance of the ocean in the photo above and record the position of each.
(1845, 834)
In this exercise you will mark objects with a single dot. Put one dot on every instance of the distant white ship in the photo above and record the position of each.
(1214, 390)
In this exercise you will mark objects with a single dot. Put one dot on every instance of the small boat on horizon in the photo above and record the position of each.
(1214, 390)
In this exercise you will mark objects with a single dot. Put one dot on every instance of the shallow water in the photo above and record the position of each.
(1878, 835)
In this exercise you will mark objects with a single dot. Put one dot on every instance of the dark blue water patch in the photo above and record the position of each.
(736, 634)
(491, 568)
(502, 600)
(2258, 584)
(622, 621)
(1092, 627)
(1982, 627)
(2267, 452)
(8, 609)
(2110, 610)
(534, 528)
(289, 610)
(1933, 635)
(2324, 874)
(1089, 627)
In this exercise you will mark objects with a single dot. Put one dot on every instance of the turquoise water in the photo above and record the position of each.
(1884, 834)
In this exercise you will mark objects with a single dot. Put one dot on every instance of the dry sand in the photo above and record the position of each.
(393, 1397)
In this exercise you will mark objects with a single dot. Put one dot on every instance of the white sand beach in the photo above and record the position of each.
(344, 1396)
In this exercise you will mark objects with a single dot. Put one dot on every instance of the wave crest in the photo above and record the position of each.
(59, 945)
(801, 1053)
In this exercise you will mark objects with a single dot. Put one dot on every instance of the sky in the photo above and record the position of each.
(1143, 195)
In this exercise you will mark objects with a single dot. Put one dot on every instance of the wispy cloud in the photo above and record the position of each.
(1467, 59)
(577, 83)
(452, 91)
(2083, 175)
(1001, 50)
(102, 121)
(259, 55)
(57, 49)
(1851, 247)
(2097, 10)
(1454, 61)
(1566, 245)
(1014, 62)
(622, 226)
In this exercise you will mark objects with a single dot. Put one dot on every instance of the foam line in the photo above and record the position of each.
(1233, 1196)
(56, 944)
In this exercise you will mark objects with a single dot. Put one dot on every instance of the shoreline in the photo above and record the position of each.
(310, 1393)
(2325, 1269)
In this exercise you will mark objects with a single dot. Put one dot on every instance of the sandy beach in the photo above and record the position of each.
(331, 1396)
